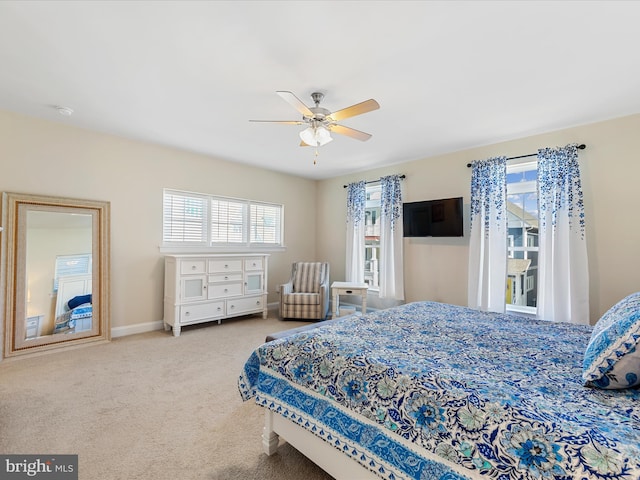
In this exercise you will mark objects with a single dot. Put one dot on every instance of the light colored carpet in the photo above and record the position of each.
(148, 406)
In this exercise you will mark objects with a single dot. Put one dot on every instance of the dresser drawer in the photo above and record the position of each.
(193, 313)
(225, 265)
(225, 290)
(193, 266)
(253, 264)
(225, 277)
(244, 305)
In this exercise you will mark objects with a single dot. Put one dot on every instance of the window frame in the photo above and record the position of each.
(516, 166)
(206, 243)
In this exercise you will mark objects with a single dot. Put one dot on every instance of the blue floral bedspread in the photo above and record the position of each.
(437, 391)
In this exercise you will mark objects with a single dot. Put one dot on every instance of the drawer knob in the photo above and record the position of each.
(193, 267)
(186, 314)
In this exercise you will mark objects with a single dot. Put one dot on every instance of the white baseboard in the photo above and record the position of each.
(157, 325)
(137, 328)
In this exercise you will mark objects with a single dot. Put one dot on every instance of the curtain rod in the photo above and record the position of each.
(580, 147)
(374, 181)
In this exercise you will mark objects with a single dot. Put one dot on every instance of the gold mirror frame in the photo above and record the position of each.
(14, 292)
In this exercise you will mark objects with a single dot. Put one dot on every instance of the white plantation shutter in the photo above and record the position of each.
(71, 265)
(200, 220)
(228, 221)
(265, 223)
(184, 218)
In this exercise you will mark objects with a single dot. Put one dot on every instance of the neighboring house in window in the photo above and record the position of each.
(372, 236)
(522, 246)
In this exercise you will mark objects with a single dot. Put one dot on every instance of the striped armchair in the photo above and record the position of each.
(306, 294)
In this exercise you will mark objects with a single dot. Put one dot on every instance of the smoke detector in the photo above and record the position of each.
(66, 111)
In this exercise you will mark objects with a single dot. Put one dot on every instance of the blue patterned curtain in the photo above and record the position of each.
(488, 238)
(391, 252)
(356, 202)
(563, 275)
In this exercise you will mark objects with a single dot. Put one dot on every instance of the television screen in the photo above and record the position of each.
(433, 218)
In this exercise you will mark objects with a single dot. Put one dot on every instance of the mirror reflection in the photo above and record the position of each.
(58, 273)
(55, 273)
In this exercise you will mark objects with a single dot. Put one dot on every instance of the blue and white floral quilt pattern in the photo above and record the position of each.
(437, 391)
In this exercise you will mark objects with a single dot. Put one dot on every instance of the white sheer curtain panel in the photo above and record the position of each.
(488, 240)
(563, 273)
(356, 202)
(392, 271)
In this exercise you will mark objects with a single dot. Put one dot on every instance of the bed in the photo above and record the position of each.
(74, 307)
(77, 319)
(436, 391)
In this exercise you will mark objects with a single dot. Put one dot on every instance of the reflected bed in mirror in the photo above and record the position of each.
(55, 273)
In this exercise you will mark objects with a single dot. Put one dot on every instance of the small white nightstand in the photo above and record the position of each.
(32, 326)
(348, 288)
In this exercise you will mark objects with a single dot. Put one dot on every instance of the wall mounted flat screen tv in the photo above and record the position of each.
(433, 218)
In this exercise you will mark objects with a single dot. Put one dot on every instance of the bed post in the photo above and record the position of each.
(270, 438)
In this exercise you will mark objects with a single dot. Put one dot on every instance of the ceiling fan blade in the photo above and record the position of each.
(285, 122)
(295, 102)
(350, 132)
(353, 110)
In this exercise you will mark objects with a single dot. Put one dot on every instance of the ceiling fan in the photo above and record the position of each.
(320, 121)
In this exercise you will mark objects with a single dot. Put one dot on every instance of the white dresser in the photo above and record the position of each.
(202, 288)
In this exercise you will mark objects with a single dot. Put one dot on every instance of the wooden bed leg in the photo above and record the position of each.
(270, 438)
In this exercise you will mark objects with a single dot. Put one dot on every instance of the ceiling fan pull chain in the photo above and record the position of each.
(315, 158)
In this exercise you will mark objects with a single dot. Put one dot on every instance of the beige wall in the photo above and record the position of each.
(436, 269)
(47, 158)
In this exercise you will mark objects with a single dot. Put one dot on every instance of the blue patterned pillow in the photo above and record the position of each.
(612, 358)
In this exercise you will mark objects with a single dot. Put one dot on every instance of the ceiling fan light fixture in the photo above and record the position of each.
(316, 136)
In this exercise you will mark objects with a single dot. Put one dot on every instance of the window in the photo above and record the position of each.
(79, 264)
(195, 220)
(522, 246)
(372, 235)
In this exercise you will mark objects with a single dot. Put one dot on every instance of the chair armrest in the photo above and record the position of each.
(286, 288)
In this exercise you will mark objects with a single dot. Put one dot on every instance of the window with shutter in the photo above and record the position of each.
(78, 264)
(228, 221)
(209, 221)
(184, 218)
(265, 223)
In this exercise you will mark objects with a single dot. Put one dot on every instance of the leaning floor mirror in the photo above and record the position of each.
(55, 273)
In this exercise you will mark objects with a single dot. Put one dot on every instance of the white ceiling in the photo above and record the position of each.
(448, 75)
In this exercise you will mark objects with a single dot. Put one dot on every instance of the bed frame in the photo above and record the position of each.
(71, 286)
(323, 454)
